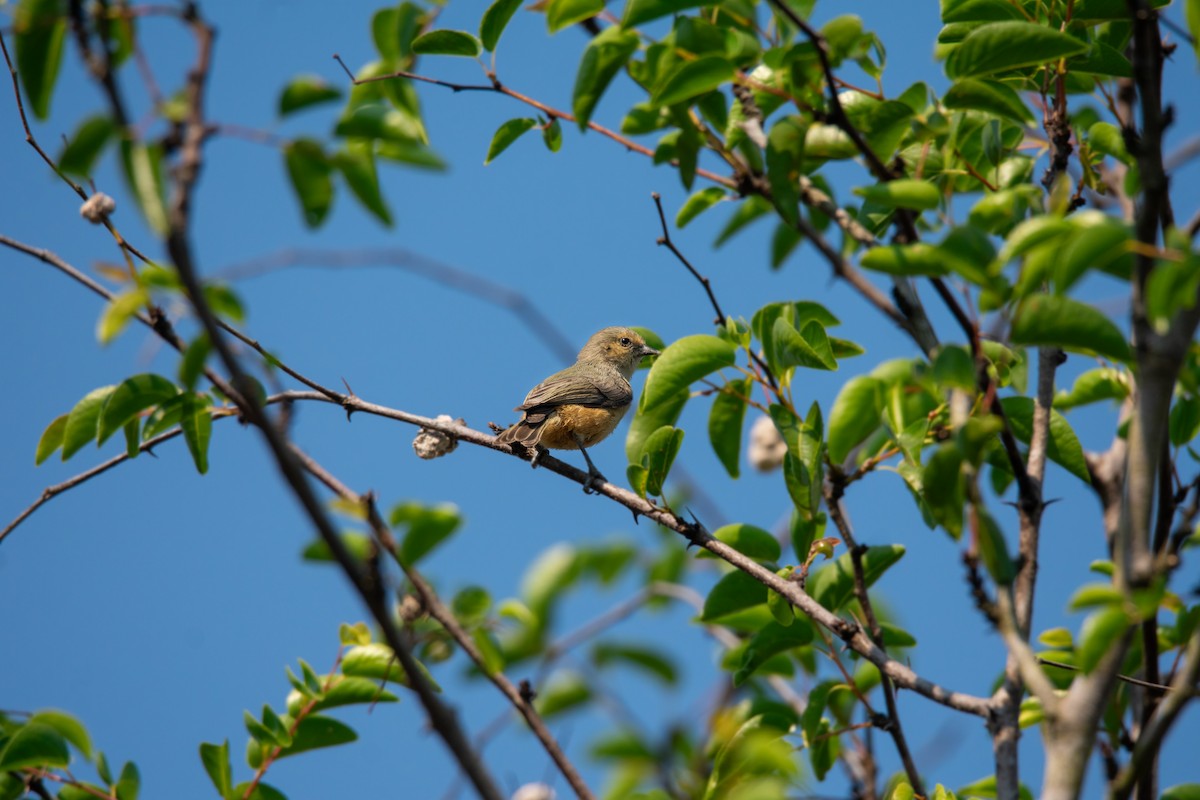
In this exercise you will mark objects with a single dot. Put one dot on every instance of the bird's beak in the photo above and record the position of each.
(647, 350)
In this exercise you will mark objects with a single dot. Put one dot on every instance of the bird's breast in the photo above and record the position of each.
(591, 425)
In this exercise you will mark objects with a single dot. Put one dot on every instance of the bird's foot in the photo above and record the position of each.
(536, 454)
(592, 484)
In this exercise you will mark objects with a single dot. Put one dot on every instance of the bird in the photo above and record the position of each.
(580, 406)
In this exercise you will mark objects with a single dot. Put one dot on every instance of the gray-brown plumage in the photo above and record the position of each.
(581, 405)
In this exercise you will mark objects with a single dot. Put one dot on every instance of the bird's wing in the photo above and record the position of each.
(571, 388)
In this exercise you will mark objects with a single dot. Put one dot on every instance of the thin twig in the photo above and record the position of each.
(549, 111)
(665, 240)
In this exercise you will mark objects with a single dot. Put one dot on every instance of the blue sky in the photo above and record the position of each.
(156, 604)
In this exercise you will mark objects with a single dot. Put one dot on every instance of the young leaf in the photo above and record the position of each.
(427, 528)
(918, 258)
(992, 97)
(447, 43)
(51, 439)
(552, 135)
(639, 11)
(1100, 630)
(83, 419)
(495, 20)
(131, 397)
(506, 134)
(806, 348)
(769, 642)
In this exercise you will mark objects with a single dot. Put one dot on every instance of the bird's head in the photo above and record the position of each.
(623, 348)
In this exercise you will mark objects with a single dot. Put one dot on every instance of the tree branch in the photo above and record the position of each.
(436, 609)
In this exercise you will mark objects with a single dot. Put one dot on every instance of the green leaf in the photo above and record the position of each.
(196, 422)
(649, 419)
(378, 662)
(658, 454)
(699, 202)
(564, 692)
(315, 732)
(83, 420)
(1100, 630)
(993, 97)
(563, 13)
(67, 726)
(769, 642)
(943, 488)
(216, 763)
(34, 745)
(506, 134)
(447, 43)
(262, 791)
(118, 312)
(143, 169)
(131, 397)
(855, 415)
(786, 144)
(736, 591)
(749, 540)
(1184, 421)
(428, 526)
(310, 174)
(1106, 138)
(1063, 448)
(398, 127)
(1191, 15)
(909, 193)
(357, 165)
(191, 366)
(639, 11)
(40, 27)
(808, 347)
(1186, 791)
(495, 20)
(344, 691)
(682, 363)
(1067, 323)
(918, 258)
(552, 135)
(51, 439)
(693, 78)
(1000, 46)
(1093, 386)
(726, 419)
(78, 156)
(1057, 639)
(647, 659)
(833, 584)
(994, 550)
(603, 58)
(304, 91)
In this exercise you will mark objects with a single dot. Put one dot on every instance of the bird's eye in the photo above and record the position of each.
(625, 342)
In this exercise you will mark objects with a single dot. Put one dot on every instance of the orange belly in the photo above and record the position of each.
(565, 423)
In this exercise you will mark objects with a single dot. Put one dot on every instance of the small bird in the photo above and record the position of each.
(580, 406)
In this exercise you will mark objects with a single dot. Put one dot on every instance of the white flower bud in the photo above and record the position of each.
(97, 207)
(767, 447)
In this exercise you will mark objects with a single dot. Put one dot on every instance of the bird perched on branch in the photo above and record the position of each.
(581, 405)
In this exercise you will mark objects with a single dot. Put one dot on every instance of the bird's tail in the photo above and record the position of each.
(526, 433)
